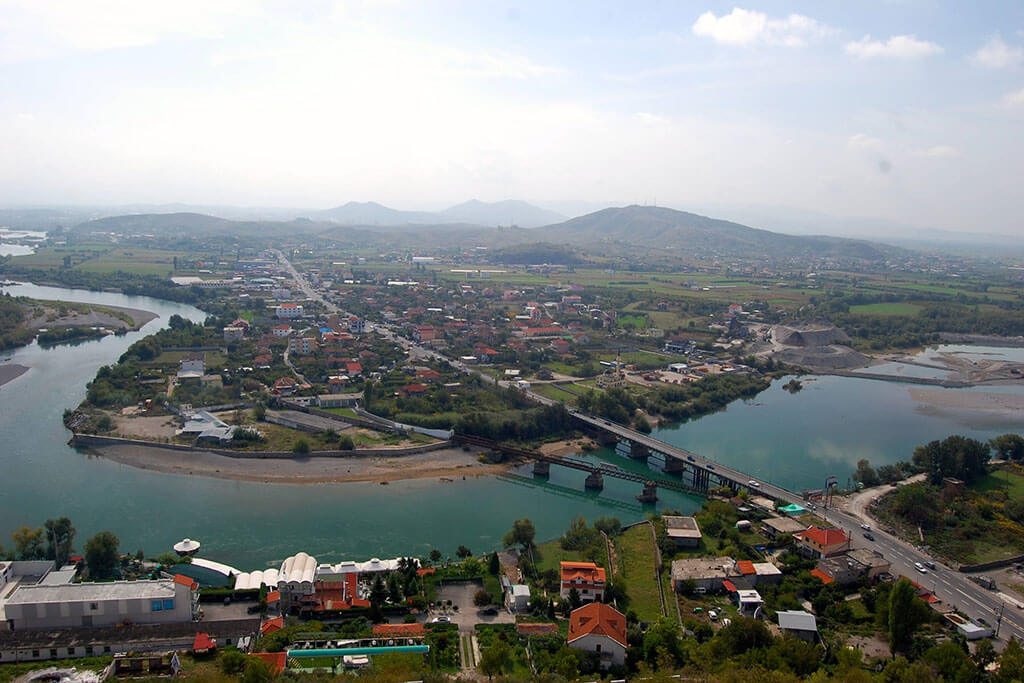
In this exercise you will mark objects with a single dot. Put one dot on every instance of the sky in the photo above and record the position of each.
(903, 110)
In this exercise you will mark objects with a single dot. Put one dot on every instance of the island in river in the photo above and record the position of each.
(23, 320)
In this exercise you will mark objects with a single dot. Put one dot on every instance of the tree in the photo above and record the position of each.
(378, 596)
(495, 659)
(60, 534)
(1008, 446)
(435, 556)
(101, 554)
(301, 446)
(955, 456)
(232, 662)
(493, 564)
(394, 589)
(257, 671)
(28, 543)
(865, 474)
(902, 615)
(346, 443)
(642, 425)
(573, 599)
(662, 645)
(463, 552)
(522, 534)
(610, 525)
(481, 598)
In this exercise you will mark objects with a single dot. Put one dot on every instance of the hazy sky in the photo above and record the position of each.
(911, 110)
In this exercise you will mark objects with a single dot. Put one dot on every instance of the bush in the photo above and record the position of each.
(345, 443)
(301, 446)
(482, 598)
(232, 662)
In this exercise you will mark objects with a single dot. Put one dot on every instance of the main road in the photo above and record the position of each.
(949, 585)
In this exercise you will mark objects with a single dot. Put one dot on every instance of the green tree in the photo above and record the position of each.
(642, 425)
(495, 659)
(257, 671)
(435, 556)
(346, 443)
(573, 599)
(1011, 663)
(902, 615)
(28, 543)
(232, 662)
(865, 473)
(60, 535)
(955, 456)
(101, 554)
(463, 552)
(522, 534)
(662, 644)
(301, 446)
(481, 598)
(1008, 446)
(493, 564)
(610, 525)
(394, 589)
(378, 596)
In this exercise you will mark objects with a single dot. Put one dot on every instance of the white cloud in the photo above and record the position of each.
(862, 141)
(898, 47)
(996, 54)
(1014, 99)
(748, 27)
(942, 152)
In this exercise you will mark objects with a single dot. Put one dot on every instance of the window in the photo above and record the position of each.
(156, 605)
(94, 606)
(597, 647)
(35, 654)
(169, 604)
(53, 652)
(106, 648)
(88, 649)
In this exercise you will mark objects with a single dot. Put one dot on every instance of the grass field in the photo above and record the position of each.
(135, 261)
(1012, 484)
(553, 392)
(635, 549)
(894, 308)
(550, 554)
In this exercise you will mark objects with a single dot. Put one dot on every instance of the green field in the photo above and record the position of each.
(550, 554)
(1012, 484)
(893, 308)
(553, 392)
(135, 261)
(635, 548)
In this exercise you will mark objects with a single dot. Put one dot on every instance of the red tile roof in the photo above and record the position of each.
(729, 586)
(186, 581)
(272, 625)
(822, 576)
(825, 537)
(399, 630)
(597, 619)
(424, 571)
(273, 596)
(746, 567)
(275, 660)
(203, 642)
(588, 571)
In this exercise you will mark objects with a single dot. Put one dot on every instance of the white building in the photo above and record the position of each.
(296, 576)
(82, 605)
(288, 311)
(233, 334)
(193, 366)
(517, 597)
(600, 629)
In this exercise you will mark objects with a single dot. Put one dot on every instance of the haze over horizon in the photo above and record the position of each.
(908, 112)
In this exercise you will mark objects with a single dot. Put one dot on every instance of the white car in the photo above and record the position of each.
(865, 527)
(753, 483)
(442, 620)
(920, 567)
(713, 615)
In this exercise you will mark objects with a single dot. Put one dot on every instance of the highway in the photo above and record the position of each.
(949, 585)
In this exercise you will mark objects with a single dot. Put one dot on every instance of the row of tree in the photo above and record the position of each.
(55, 541)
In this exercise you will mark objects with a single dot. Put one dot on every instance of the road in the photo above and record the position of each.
(949, 585)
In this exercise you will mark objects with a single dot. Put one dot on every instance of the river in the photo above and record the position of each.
(795, 440)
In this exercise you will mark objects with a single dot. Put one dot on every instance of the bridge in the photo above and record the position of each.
(595, 472)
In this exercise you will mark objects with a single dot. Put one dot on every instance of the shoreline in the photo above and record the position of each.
(446, 464)
(11, 371)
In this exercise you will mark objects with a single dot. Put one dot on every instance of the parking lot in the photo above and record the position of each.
(467, 615)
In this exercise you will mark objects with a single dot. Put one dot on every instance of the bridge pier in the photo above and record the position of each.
(594, 482)
(649, 494)
(674, 465)
(638, 451)
(701, 479)
(541, 468)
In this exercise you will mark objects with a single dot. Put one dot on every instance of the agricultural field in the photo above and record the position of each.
(894, 308)
(134, 261)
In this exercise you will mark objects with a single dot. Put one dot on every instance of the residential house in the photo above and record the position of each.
(816, 542)
(353, 369)
(283, 330)
(193, 366)
(773, 527)
(285, 386)
(683, 531)
(587, 578)
(600, 629)
(233, 333)
(302, 345)
(702, 574)
(517, 597)
(424, 333)
(798, 623)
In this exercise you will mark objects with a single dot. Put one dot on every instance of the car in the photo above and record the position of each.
(713, 615)
(442, 620)
(920, 567)
(698, 610)
(690, 458)
(982, 621)
(929, 564)
(753, 483)
(865, 527)
(711, 467)
(868, 535)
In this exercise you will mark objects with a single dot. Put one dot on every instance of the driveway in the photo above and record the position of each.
(467, 615)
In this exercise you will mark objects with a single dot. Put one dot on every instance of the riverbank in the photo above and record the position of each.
(448, 463)
(11, 371)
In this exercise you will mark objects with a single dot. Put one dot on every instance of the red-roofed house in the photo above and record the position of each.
(399, 630)
(600, 629)
(273, 596)
(746, 567)
(414, 389)
(283, 330)
(821, 576)
(586, 577)
(203, 644)
(272, 626)
(276, 661)
(353, 369)
(817, 542)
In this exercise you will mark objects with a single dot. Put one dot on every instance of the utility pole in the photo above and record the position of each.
(999, 619)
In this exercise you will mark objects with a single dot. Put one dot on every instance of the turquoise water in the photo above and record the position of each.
(793, 440)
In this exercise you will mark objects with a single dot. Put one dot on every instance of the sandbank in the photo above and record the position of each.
(11, 371)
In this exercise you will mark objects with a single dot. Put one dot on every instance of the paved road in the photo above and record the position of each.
(950, 586)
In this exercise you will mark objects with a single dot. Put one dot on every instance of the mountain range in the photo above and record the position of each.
(512, 212)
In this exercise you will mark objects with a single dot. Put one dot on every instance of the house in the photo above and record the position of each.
(79, 605)
(798, 623)
(767, 574)
(302, 345)
(560, 346)
(749, 602)
(600, 629)
(773, 527)
(233, 333)
(415, 389)
(586, 577)
(193, 366)
(517, 597)
(683, 531)
(874, 563)
(423, 333)
(289, 311)
(428, 375)
(357, 325)
(285, 386)
(702, 574)
(282, 330)
(339, 400)
(353, 369)
(816, 542)
(336, 383)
